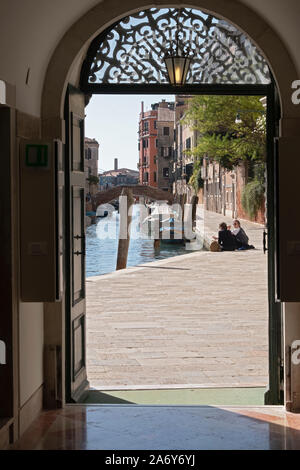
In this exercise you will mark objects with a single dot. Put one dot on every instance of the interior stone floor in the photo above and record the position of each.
(128, 427)
(196, 320)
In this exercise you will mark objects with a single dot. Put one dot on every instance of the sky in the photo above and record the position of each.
(113, 121)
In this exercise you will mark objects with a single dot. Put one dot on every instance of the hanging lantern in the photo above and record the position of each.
(177, 67)
(177, 59)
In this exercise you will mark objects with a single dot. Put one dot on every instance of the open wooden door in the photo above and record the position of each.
(76, 377)
(274, 393)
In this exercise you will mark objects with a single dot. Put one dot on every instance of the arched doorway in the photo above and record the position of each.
(128, 57)
(52, 116)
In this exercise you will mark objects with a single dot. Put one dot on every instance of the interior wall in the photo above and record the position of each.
(31, 321)
(31, 349)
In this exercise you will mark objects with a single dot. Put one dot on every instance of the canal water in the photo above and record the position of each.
(102, 246)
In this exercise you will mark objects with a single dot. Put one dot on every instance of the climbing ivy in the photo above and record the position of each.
(196, 180)
(252, 197)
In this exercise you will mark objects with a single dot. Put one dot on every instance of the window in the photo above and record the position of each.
(88, 154)
(139, 146)
(145, 177)
(146, 127)
(189, 171)
(155, 124)
(156, 143)
(166, 172)
(166, 152)
(154, 176)
(188, 143)
(166, 131)
(145, 143)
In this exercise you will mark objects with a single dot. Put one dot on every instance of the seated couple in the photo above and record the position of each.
(231, 240)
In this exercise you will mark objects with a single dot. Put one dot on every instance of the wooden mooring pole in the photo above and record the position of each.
(125, 210)
(194, 203)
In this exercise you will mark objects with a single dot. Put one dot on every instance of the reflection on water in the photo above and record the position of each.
(101, 254)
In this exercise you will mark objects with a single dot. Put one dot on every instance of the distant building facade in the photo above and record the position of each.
(185, 140)
(91, 159)
(165, 144)
(147, 146)
(155, 145)
(117, 177)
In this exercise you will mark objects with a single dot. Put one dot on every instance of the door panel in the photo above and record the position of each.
(75, 249)
(77, 130)
(78, 333)
(78, 238)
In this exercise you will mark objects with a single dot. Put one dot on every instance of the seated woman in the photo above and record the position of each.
(240, 236)
(226, 239)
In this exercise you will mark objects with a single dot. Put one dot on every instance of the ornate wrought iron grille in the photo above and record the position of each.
(132, 51)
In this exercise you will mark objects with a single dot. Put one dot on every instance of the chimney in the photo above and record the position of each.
(116, 164)
(163, 104)
(142, 108)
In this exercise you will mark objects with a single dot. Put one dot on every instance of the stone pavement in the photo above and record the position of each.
(195, 320)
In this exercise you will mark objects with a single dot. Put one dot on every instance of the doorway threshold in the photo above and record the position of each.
(178, 396)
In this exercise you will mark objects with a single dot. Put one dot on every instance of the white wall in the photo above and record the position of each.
(31, 349)
(29, 32)
(31, 29)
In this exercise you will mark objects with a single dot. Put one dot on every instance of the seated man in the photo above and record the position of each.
(240, 236)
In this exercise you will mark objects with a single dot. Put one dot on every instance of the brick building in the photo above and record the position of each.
(156, 139)
(147, 146)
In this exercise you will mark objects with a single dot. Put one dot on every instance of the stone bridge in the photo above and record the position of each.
(104, 197)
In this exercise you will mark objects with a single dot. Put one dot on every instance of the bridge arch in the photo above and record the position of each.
(103, 197)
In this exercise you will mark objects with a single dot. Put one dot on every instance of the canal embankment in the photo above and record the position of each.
(196, 320)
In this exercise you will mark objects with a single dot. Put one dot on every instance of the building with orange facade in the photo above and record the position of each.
(147, 145)
(156, 137)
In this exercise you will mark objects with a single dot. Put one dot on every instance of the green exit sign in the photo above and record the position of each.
(37, 155)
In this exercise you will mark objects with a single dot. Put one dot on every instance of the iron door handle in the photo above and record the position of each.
(265, 242)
